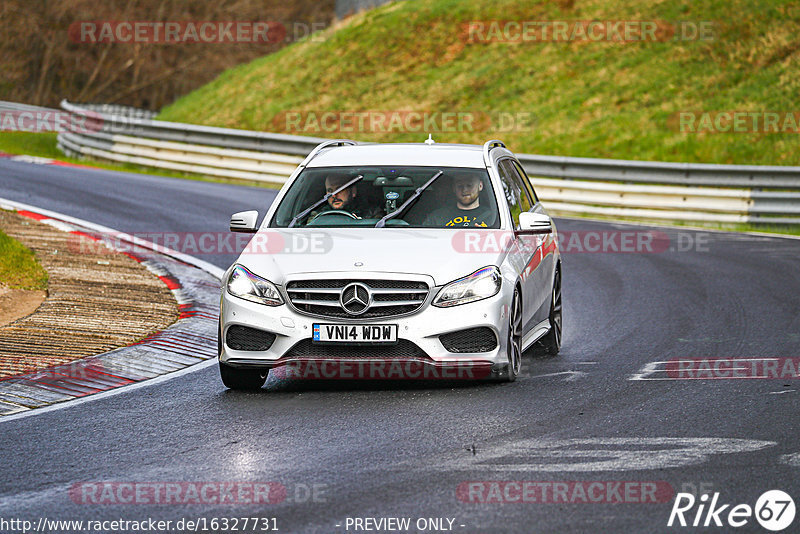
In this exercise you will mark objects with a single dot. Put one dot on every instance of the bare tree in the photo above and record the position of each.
(42, 64)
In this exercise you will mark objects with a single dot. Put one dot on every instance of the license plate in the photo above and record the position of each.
(355, 333)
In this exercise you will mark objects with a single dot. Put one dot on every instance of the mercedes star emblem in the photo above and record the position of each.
(355, 298)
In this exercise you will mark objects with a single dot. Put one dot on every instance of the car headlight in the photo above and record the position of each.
(481, 284)
(245, 285)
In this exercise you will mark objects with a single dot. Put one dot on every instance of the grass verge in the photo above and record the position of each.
(19, 268)
(596, 99)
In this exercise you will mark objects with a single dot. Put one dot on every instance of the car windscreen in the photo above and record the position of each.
(458, 197)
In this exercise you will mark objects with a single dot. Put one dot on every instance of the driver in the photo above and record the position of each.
(467, 209)
(344, 200)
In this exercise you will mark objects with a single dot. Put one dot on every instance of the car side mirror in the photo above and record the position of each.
(244, 221)
(534, 223)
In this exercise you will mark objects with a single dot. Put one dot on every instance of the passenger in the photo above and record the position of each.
(466, 210)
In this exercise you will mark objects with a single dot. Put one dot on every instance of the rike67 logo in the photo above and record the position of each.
(774, 510)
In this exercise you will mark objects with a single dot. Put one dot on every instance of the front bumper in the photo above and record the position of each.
(422, 328)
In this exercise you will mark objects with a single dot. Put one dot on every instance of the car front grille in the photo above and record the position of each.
(250, 339)
(404, 349)
(388, 297)
(481, 339)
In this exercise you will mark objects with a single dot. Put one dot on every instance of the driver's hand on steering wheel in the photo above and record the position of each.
(333, 212)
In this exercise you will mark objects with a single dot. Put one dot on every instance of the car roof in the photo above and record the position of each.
(421, 154)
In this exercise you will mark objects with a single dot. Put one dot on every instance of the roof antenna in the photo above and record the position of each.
(429, 140)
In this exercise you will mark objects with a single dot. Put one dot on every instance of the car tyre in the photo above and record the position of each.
(514, 342)
(235, 378)
(551, 342)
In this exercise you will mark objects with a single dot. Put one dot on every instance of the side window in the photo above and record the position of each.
(516, 185)
(511, 190)
(526, 181)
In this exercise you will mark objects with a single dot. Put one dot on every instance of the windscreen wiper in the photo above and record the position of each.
(412, 198)
(323, 200)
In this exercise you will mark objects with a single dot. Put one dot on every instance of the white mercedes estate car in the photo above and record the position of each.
(393, 261)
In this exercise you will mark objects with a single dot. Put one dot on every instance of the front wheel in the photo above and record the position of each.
(247, 379)
(514, 342)
(551, 342)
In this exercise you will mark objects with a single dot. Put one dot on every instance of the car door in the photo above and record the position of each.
(547, 248)
(522, 254)
(538, 270)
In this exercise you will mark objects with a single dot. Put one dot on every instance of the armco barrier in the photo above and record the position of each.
(569, 186)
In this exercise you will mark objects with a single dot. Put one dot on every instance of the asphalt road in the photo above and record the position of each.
(378, 450)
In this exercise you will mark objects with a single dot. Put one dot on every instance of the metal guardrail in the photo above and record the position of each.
(569, 186)
(346, 7)
(757, 194)
(760, 176)
(15, 106)
(120, 110)
(195, 134)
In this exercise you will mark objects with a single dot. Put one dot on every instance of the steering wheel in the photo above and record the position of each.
(333, 212)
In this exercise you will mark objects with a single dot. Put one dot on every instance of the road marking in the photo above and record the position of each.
(109, 393)
(648, 369)
(597, 454)
(167, 354)
(727, 369)
(572, 376)
(790, 459)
